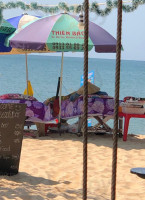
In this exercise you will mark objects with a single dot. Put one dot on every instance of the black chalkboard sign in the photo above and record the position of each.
(12, 118)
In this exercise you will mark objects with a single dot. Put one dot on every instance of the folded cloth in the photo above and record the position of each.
(101, 93)
(74, 96)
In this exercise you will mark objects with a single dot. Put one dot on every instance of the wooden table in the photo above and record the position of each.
(126, 121)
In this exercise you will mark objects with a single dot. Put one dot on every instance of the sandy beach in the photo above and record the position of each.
(51, 168)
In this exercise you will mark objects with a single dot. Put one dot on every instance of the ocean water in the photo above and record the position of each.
(45, 70)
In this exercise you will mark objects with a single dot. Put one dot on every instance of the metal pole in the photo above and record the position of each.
(26, 72)
(60, 87)
(85, 98)
(117, 87)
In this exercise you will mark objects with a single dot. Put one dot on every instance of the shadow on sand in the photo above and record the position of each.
(24, 186)
(133, 141)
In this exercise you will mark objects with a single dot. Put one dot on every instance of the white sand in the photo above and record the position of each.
(51, 168)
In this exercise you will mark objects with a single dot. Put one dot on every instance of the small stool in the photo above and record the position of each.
(138, 171)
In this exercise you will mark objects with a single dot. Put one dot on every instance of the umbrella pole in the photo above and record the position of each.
(60, 87)
(26, 71)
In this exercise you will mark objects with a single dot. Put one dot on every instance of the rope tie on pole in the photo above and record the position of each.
(85, 98)
(117, 86)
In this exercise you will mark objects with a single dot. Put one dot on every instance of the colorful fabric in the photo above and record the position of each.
(17, 96)
(36, 110)
(96, 105)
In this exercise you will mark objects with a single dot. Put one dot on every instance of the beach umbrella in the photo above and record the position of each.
(5, 29)
(21, 20)
(18, 22)
(62, 33)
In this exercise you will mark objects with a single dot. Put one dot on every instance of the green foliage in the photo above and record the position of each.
(62, 6)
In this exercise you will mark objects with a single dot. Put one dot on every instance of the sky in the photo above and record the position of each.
(133, 29)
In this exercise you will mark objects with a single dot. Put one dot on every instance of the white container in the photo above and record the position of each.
(131, 110)
(73, 128)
